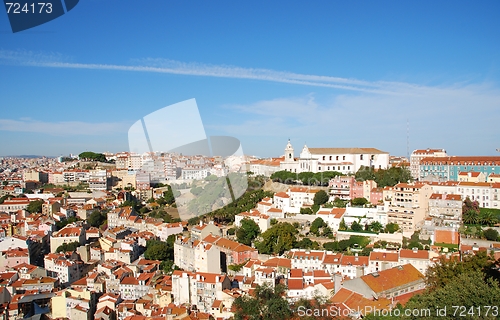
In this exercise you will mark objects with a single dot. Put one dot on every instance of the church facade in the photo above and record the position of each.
(344, 160)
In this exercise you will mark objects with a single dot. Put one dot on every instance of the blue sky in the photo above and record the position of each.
(327, 73)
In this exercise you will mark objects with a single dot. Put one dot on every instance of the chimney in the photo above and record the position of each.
(356, 258)
(201, 223)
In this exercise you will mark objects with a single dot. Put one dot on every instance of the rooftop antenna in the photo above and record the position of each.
(407, 139)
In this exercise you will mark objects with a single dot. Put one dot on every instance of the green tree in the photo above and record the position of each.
(65, 247)
(331, 246)
(491, 234)
(364, 173)
(359, 201)
(306, 211)
(196, 191)
(470, 217)
(97, 218)
(279, 238)
(342, 225)
(168, 195)
(307, 243)
(327, 232)
(231, 231)
(92, 156)
(160, 250)
(487, 218)
(366, 251)
(35, 206)
(248, 231)
(376, 226)
(321, 197)
(355, 226)
(467, 290)
(443, 272)
(339, 203)
(316, 225)
(391, 227)
(470, 205)
(5, 197)
(265, 303)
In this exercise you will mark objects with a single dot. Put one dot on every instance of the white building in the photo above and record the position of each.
(194, 172)
(344, 160)
(262, 220)
(307, 260)
(200, 289)
(66, 269)
(196, 256)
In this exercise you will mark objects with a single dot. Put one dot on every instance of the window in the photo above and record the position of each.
(319, 168)
(337, 157)
(343, 157)
(361, 157)
(323, 157)
(330, 157)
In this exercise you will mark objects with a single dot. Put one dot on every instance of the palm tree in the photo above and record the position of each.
(376, 226)
(487, 218)
(470, 217)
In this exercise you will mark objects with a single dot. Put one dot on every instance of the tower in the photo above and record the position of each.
(289, 157)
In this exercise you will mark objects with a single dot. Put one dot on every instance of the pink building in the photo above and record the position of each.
(376, 196)
(13, 257)
(340, 187)
(357, 190)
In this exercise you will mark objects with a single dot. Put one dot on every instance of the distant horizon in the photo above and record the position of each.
(329, 74)
(247, 155)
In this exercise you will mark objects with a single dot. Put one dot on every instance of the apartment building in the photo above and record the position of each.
(418, 155)
(407, 204)
(449, 168)
(199, 289)
(196, 256)
(446, 206)
(68, 234)
(66, 268)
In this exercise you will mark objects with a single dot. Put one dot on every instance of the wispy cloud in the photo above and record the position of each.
(56, 60)
(461, 119)
(64, 128)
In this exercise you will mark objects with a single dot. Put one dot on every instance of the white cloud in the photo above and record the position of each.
(55, 60)
(459, 118)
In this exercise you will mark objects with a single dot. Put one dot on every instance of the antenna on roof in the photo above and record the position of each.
(408, 139)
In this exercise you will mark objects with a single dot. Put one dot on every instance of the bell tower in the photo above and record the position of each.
(289, 152)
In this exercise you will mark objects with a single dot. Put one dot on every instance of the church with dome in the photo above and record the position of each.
(344, 160)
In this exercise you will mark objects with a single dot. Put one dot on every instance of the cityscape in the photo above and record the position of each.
(356, 230)
(260, 160)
